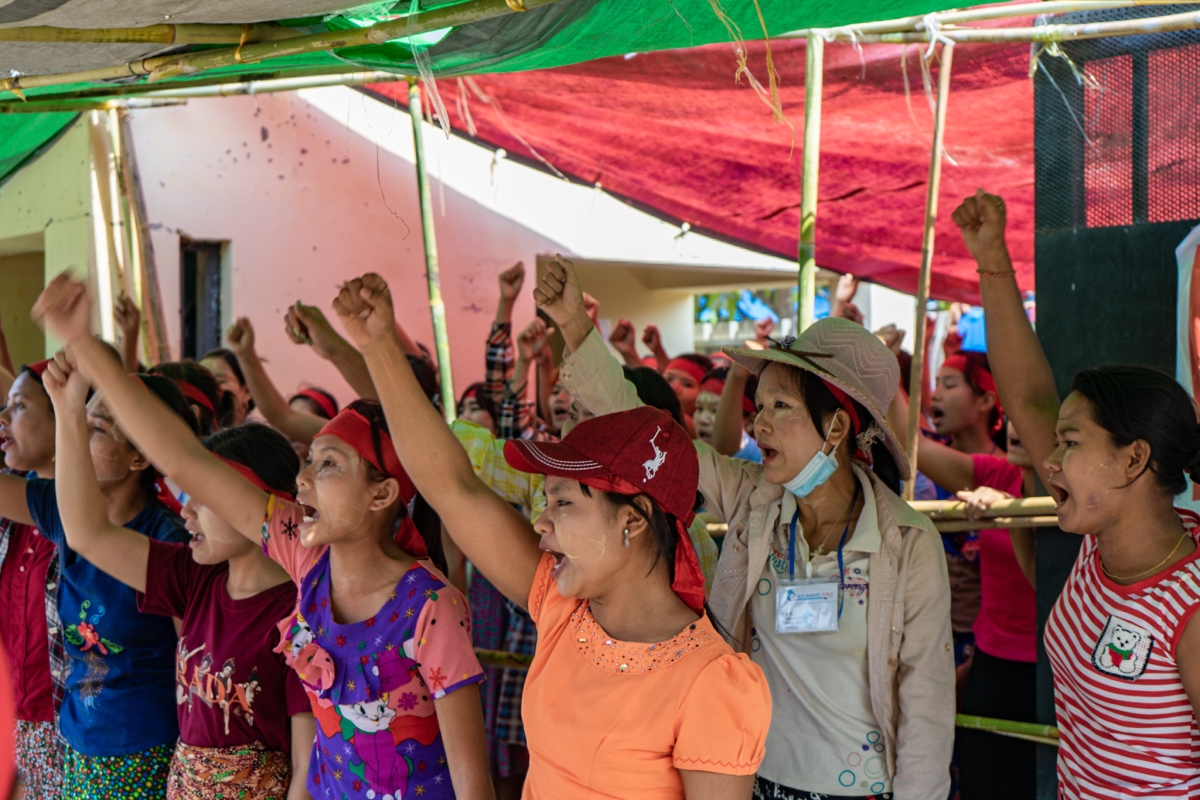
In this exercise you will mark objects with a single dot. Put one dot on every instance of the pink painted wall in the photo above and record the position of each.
(302, 201)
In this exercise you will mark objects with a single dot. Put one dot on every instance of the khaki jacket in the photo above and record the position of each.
(909, 645)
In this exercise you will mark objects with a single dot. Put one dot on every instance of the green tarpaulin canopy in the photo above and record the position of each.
(566, 32)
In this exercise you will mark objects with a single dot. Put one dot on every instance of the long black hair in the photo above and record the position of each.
(822, 404)
(202, 378)
(230, 358)
(428, 523)
(1140, 403)
(165, 389)
(264, 450)
(653, 390)
(996, 427)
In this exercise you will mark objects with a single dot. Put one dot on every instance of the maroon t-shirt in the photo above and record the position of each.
(231, 689)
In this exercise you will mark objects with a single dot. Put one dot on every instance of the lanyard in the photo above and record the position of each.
(841, 544)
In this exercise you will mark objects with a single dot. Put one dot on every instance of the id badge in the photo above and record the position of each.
(807, 606)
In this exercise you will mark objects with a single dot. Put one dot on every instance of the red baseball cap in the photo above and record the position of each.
(643, 451)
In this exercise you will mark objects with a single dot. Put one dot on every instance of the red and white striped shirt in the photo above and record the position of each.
(1127, 727)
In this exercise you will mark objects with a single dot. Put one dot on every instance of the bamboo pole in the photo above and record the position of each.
(1039, 33)
(116, 203)
(957, 509)
(958, 525)
(152, 34)
(154, 326)
(810, 162)
(1032, 731)
(160, 67)
(77, 107)
(986, 13)
(281, 85)
(106, 259)
(437, 308)
(143, 88)
(915, 388)
(719, 529)
(178, 96)
(501, 658)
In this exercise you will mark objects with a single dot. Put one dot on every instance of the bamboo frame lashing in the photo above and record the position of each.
(981, 14)
(167, 66)
(1055, 32)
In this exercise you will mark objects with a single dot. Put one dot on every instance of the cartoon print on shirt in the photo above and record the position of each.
(366, 725)
(1123, 649)
(94, 647)
(300, 636)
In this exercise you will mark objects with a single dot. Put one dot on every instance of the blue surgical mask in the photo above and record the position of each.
(818, 470)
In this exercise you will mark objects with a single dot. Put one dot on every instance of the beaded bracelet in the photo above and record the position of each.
(997, 274)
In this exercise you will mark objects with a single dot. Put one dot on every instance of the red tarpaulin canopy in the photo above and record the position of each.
(673, 133)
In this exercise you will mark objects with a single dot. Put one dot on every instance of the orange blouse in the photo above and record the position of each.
(612, 719)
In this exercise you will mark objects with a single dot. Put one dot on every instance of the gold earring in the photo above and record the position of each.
(627, 537)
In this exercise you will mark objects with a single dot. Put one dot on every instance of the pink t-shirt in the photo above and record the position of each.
(1007, 623)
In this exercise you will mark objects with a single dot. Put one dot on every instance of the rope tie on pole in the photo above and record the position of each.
(237, 54)
(933, 23)
(516, 5)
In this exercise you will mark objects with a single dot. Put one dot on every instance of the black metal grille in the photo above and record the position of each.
(1117, 126)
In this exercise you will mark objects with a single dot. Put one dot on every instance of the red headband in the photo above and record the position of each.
(980, 377)
(252, 476)
(690, 367)
(38, 368)
(165, 496)
(717, 386)
(689, 579)
(320, 399)
(191, 392)
(856, 427)
(354, 429)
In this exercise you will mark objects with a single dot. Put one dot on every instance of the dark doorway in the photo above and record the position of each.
(200, 296)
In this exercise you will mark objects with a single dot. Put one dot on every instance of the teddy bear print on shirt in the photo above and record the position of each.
(1123, 649)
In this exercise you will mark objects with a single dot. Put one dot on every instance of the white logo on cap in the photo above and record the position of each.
(653, 464)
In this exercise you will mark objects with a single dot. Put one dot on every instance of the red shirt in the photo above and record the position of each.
(1006, 626)
(230, 688)
(23, 624)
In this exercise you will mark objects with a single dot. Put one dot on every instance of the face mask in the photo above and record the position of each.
(818, 470)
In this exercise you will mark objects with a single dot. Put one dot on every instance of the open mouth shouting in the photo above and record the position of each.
(936, 415)
(197, 537)
(311, 515)
(1061, 495)
(560, 560)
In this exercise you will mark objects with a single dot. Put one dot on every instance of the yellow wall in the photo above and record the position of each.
(21, 281)
(45, 210)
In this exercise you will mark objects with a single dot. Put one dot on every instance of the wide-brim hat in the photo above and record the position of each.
(848, 356)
